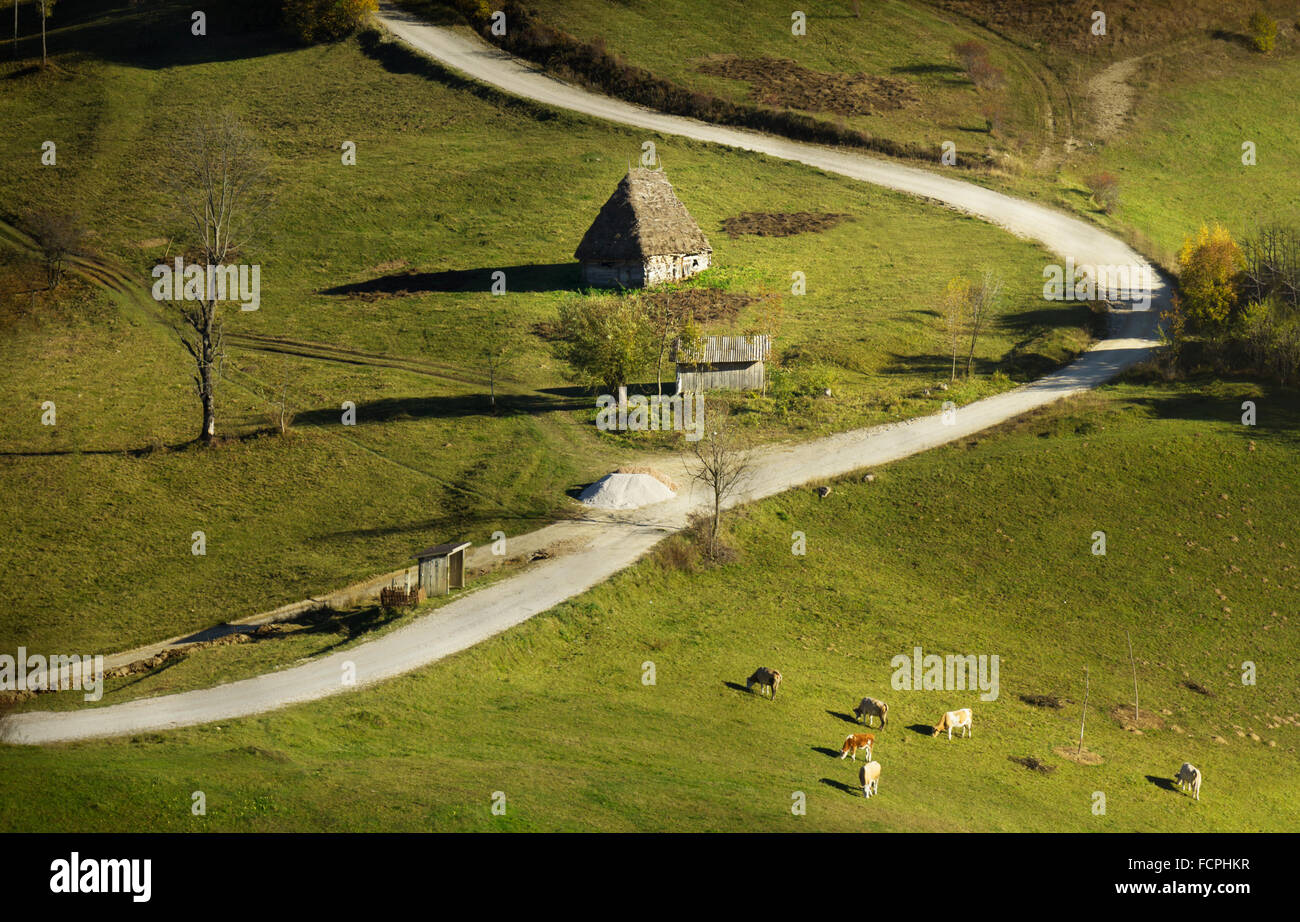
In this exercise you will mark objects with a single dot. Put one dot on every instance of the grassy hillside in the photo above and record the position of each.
(979, 548)
(451, 179)
(1172, 134)
(888, 71)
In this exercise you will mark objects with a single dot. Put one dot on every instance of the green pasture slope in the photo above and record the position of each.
(982, 547)
(100, 508)
(1178, 157)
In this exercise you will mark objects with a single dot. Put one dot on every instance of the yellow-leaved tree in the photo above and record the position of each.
(1210, 268)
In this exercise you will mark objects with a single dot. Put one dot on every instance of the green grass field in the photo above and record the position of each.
(555, 715)
(982, 547)
(103, 504)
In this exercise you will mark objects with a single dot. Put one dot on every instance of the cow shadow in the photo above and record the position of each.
(826, 752)
(1165, 784)
(735, 686)
(923, 729)
(841, 786)
(847, 718)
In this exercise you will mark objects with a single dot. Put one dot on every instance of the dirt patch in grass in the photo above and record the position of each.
(766, 224)
(1034, 765)
(783, 83)
(1146, 719)
(1043, 701)
(706, 305)
(1073, 754)
(1198, 688)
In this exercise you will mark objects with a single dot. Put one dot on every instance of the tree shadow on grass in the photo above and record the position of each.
(1234, 38)
(159, 36)
(849, 789)
(458, 406)
(538, 277)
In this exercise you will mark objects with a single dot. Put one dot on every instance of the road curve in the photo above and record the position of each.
(609, 545)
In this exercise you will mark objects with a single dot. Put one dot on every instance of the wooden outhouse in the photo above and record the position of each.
(442, 568)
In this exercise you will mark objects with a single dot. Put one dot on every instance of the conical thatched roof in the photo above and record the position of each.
(642, 218)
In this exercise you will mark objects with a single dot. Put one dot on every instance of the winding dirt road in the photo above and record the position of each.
(609, 544)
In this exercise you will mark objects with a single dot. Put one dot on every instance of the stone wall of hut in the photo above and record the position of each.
(654, 270)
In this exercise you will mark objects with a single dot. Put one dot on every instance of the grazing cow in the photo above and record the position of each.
(869, 708)
(764, 678)
(955, 720)
(1190, 776)
(856, 741)
(869, 778)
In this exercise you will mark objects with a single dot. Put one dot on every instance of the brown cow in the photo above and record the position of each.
(764, 678)
(856, 741)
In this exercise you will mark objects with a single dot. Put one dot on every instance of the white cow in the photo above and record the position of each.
(1189, 779)
(869, 778)
(959, 720)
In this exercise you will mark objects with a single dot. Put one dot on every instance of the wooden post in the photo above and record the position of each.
(1085, 710)
(1133, 664)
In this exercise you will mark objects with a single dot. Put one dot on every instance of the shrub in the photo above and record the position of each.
(1269, 335)
(1263, 31)
(314, 21)
(1211, 268)
(1105, 190)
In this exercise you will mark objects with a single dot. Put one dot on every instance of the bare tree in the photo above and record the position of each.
(665, 322)
(59, 235)
(724, 461)
(281, 411)
(221, 190)
(956, 297)
(498, 348)
(983, 301)
(46, 7)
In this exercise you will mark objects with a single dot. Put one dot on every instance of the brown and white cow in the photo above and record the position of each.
(869, 778)
(1189, 779)
(855, 741)
(869, 708)
(764, 678)
(955, 720)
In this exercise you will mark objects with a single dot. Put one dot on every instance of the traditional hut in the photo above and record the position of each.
(643, 236)
(723, 363)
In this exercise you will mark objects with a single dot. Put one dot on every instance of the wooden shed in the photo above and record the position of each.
(442, 568)
(642, 236)
(723, 363)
